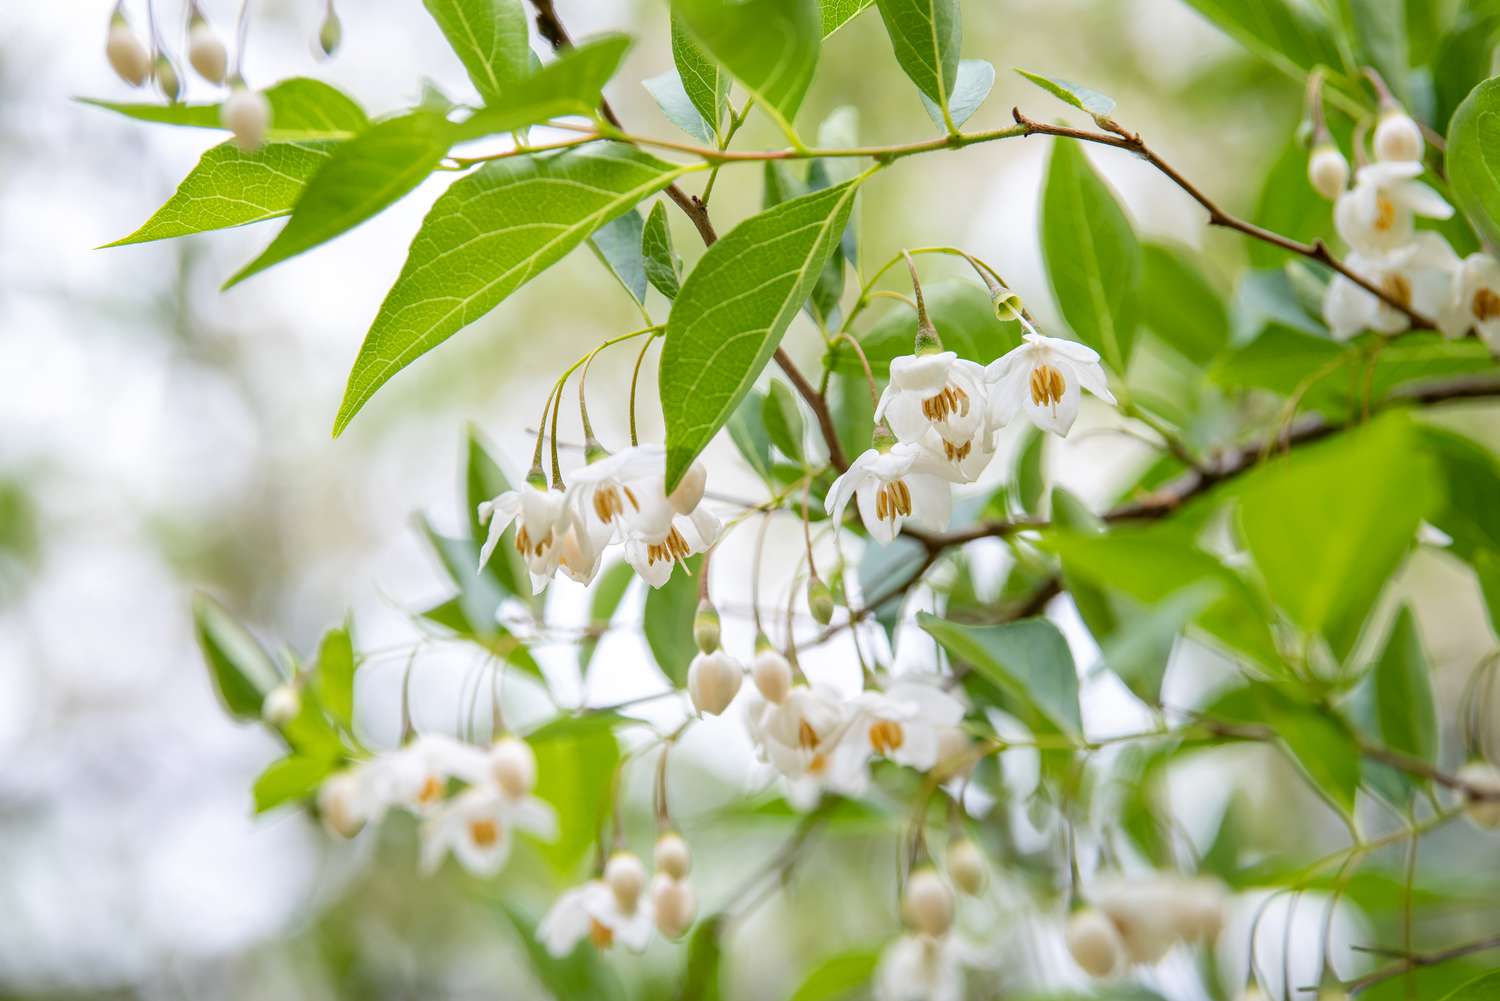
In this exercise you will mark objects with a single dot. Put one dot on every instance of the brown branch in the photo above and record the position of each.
(1422, 959)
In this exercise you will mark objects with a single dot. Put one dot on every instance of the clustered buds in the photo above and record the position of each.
(1327, 170)
(126, 53)
(514, 765)
(671, 894)
(626, 878)
(1397, 136)
(1139, 920)
(672, 856)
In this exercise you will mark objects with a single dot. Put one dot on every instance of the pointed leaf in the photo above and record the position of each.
(576, 761)
(1029, 658)
(1081, 97)
(618, 245)
(838, 977)
(669, 622)
(288, 779)
(783, 420)
(674, 102)
(706, 85)
(770, 46)
(656, 249)
(1403, 687)
(490, 39)
(242, 671)
(301, 109)
(1473, 158)
(334, 674)
(1179, 305)
(976, 78)
(569, 85)
(927, 36)
(837, 13)
(1294, 37)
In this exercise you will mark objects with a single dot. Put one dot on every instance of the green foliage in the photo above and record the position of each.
(718, 337)
(1178, 304)
(975, 80)
(289, 780)
(333, 674)
(838, 977)
(1294, 37)
(782, 418)
(1083, 98)
(485, 480)
(241, 669)
(1484, 986)
(489, 37)
(927, 36)
(576, 761)
(659, 259)
(1029, 659)
(618, 245)
(1473, 158)
(837, 13)
(1394, 707)
(770, 46)
(570, 85)
(302, 110)
(704, 83)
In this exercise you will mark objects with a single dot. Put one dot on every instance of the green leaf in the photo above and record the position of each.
(837, 13)
(838, 977)
(667, 90)
(609, 590)
(618, 245)
(976, 78)
(491, 232)
(576, 759)
(569, 85)
(705, 954)
(927, 36)
(241, 669)
(748, 432)
(733, 309)
(1482, 988)
(1139, 649)
(1380, 29)
(301, 109)
(1461, 63)
(1328, 525)
(230, 187)
(490, 39)
(706, 85)
(293, 777)
(1083, 98)
(1029, 659)
(1404, 702)
(1319, 742)
(1091, 254)
(770, 46)
(964, 318)
(333, 675)
(1178, 304)
(1294, 37)
(783, 420)
(1288, 204)
(656, 249)
(1473, 158)
(669, 622)
(363, 177)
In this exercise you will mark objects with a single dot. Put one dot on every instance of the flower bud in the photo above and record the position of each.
(955, 753)
(331, 33)
(514, 766)
(675, 906)
(689, 492)
(1483, 778)
(1328, 171)
(1198, 907)
(820, 601)
(929, 903)
(772, 674)
(282, 705)
(1397, 137)
(127, 56)
(672, 856)
(206, 53)
(713, 681)
(336, 804)
(706, 627)
(247, 114)
(967, 867)
(1095, 943)
(626, 878)
(167, 78)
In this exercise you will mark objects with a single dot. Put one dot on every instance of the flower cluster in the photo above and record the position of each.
(619, 906)
(1137, 920)
(620, 499)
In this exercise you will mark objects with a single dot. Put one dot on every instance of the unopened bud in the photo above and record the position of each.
(772, 674)
(689, 492)
(1397, 137)
(929, 903)
(514, 766)
(337, 804)
(282, 705)
(706, 627)
(626, 878)
(713, 681)
(247, 114)
(674, 904)
(966, 866)
(1199, 906)
(206, 52)
(331, 33)
(127, 56)
(672, 855)
(1095, 944)
(820, 601)
(167, 78)
(1328, 171)
(1481, 793)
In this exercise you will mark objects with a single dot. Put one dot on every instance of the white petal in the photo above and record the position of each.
(881, 529)
(1422, 200)
(931, 501)
(499, 512)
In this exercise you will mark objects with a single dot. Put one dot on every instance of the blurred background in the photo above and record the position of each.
(158, 437)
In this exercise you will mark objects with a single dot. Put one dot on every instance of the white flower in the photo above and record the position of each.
(1420, 275)
(905, 482)
(416, 776)
(945, 394)
(1144, 910)
(713, 680)
(1044, 377)
(1095, 943)
(654, 555)
(476, 827)
(591, 911)
(803, 739)
(905, 722)
(541, 519)
(603, 493)
(674, 903)
(920, 968)
(1483, 779)
(1475, 301)
(1376, 214)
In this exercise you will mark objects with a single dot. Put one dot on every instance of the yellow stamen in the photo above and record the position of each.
(431, 791)
(600, 934)
(484, 832)
(886, 736)
(673, 547)
(807, 737)
(1397, 287)
(1486, 304)
(1385, 213)
(957, 453)
(1047, 386)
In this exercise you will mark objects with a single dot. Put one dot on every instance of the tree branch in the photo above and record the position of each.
(1422, 959)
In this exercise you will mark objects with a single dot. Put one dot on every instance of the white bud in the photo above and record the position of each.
(672, 856)
(206, 53)
(1398, 137)
(1483, 778)
(955, 753)
(626, 878)
(282, 705)
(1198, 908)
(713, 681)
(1328, 171)
(929, 903)
(514, 766)
(772, 674)
(247, 114)
(127, 56)
(1095, 943)
(167, 78)
(674, 904)
(967, 867)
(689, 490)
(336, 804)
(331, 33)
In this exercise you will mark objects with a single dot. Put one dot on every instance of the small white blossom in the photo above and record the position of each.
(1474, 302)
(674, 904)
(416, 776)
(591, 911)
(713, 680)
(945, 394)
(1095, 943)
(476, 826)
(1044, 378)
(905, 722)
(541, 518)
(802, 738)
(1419, 275)
(1376, 215)
(906, 482)
(920, 968)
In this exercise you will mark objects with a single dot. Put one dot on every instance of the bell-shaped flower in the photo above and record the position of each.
(477, 824)
(917, 967)
(904, 481)
(653, 555)
(905, 723)
(945, 394)
(541, 518)
(1376, 215)
(802, 738)
(1045, 377)
(1419, 275)
(593, 911)
(1474, 302)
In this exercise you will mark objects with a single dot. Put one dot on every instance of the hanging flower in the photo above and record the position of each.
(1376, 215)
(945, 394)
(893, 484)
(542, 519)
(476, 826)
(1419, 275)
(593, 911)
(905, 722)
(1475, 301)
(802, 738)
(1044, 377)
(917, 967)
(416, 776)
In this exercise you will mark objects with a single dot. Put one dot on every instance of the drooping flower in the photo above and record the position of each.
(905, 722)
(904, 481)
(594, 911)
(1044, 377)
(713, 680)
(802, 738)
(541, 518)
(206, 52)
(944, 394)
(1419, 275)
(1475, 301)
(476, 826)
(654, 554)
(1376, 215)
(416, 776)
(917, 967)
